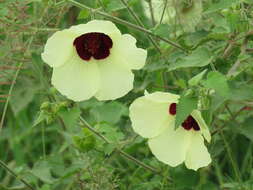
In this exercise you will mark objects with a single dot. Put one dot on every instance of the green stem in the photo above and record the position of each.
(121, 152)
(151, 12)
(10, 92)
(234, 166)
(3, 165)
(164, 9)
(121, 21)
(140, 23)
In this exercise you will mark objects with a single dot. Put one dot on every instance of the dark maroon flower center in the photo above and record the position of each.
(93, 44)
(189, 123)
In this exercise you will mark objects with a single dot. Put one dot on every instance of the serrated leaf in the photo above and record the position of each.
(84, 141)
(196, 79)
(199, 58)
(218, 82)
(185, 106)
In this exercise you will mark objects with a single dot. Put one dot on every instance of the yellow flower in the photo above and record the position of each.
(153, 117)
(93, 59)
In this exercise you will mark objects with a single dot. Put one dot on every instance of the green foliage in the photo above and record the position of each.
(114, 6)
(196, 79)
(24, 94)
(185, 106)
(86, 141)
(162, 30)
(83, 14)
(198, 58)
(218, 82)
(220, 5)
(247, 128)
(42, 139)
(109, 112)
(41, 169)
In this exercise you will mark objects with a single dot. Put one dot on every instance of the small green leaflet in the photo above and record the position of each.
(196, 79)
(185, 106)
(199, 58)
(218, 82)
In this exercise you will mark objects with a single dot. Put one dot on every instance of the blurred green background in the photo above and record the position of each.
(41, 138)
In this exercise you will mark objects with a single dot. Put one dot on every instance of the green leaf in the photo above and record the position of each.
(108, 148)
(196, 79)
(161, 30)
(199, 58)
(42, 170)
(242, 92)
(185, 106)
(86, 141)
(222, 4)
(83, 14)
(218, 82)
(42, 116)
(109, 112)
(70, 117)
(115, 6)
(23, 93)
(247, 128)
(110, 132)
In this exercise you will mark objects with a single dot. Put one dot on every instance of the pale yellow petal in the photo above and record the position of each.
(127, 52)
(163, 97)
(59, 48)
(171, 146)
(149, 118)
(106, 27)
(202, 124)
(197, 155)
(78, 80)
(116, 81)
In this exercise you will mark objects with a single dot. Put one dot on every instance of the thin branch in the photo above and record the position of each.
(121, 21)
(164, 9)
(233, 117)
(10, 92)
(3, 165)
(140, 23)
(234, 67)
(151, 12)
(121, 152)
